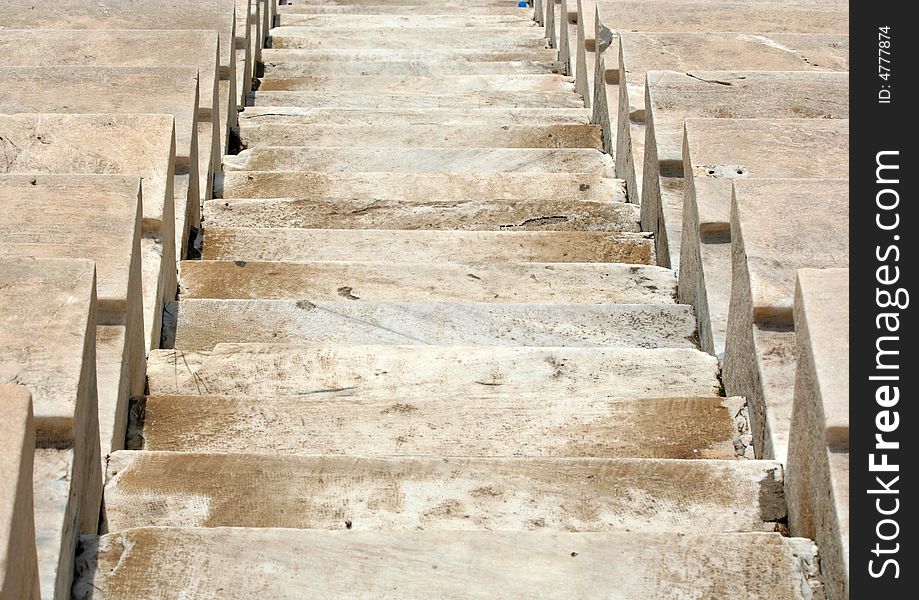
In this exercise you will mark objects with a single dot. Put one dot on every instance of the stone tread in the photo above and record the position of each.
(146, 489)
(493, 215)
(202, 324)
(389, 38)
(172, 563)
(419, 100)
(416, 68)
(408, 21)
(433, 188)
(439, 136)
(306, 115)
(450, 84)
(264, 244)
(462, 55)
(565, 283)
(389, 371)
(421, 160)
(477, 424)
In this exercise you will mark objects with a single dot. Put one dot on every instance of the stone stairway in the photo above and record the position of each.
(427, 352)
(415, 299)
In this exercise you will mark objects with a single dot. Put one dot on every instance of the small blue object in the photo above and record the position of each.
(522, 4)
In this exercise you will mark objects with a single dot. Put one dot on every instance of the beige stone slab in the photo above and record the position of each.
(389, 371)
(49, 216)
(441, 136)
(141, 145)
(201, 562)
(421, 160)
(384, 38)
(547, 283)
(672, 97)
(415, 68)
(425, 187)
(407, 21)
(464, 215)
(116, 14)
(290, 115)
(470, 424)
(464, 55)
(819, 446)
(435, 494)
(641, 53)
(470, 82)
(418, 100)
(718, 151)
(119, 48)
(48, 312)
(410, 8)
(18, 560)
(398, 246)
(56, 520)
(201, 324)
(117, 90)
(765, 260)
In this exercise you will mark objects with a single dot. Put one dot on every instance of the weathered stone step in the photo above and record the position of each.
(381, 8)
(485, 424)
(565, 283)
(173, 563)
(261, 244)
(469, 215)
(147, 489)
(382, 38)
(387, 372)
(461, 55)
(407, 68)
(428, 85)
(421, 160)
(439, 136)
(422, 188)
(416, 100)
(201, 324)
(297, 115)
(522, 19)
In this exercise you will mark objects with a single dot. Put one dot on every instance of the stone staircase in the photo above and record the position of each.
(389, 426)
(423, 346)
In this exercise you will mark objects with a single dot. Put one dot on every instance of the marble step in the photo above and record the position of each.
(421, 188)
(486, 424)
(298, 115)
(410, 68)
(151, 489)
(171, 563)
(467, 215)
(383, 38)
(408, 21)
(421, 160)
(406, 136)
(418, 100)
(460, 55)
(202, 324)
(388, 372)
(398, 246)
(452, 84)
(549, 283)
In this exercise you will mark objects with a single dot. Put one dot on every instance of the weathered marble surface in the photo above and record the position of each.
(96, 217)
(201, 324)
(18, 560)
(818, 452)
(140, 145)
(203, 563)
(716, 153)
(672, 97)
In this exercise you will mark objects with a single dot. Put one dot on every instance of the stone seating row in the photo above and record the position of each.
(112, 126)
(723, 116)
